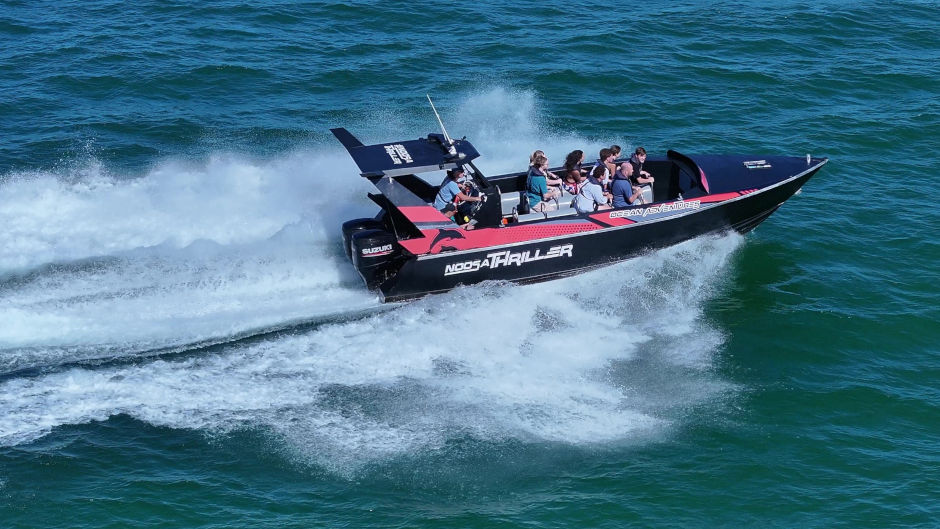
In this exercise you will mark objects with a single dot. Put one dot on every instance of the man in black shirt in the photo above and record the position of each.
(640, 177)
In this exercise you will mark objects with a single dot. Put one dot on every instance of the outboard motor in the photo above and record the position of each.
(375, 255)
(356, 225)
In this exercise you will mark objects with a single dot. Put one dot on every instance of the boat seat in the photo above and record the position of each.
(566, 200)
(509, 202)
(563, 212)
(535, 215)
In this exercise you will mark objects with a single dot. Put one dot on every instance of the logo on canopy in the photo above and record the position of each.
(398, 154)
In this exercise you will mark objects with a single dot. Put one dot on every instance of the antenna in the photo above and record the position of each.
(450, 142)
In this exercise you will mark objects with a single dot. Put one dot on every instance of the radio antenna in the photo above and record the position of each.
(450, 142)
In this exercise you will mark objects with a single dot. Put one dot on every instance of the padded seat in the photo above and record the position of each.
(563, 212)
(535, 215)
(509, 201)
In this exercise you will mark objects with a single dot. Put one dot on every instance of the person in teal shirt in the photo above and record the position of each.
(541, 198)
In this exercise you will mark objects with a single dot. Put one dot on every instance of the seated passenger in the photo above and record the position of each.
(605, 161)
(532, 156)
(623, 191)
(571, 182)
(553, 179)
(591, 198)
(541, 197)
(450, 193)
(612, 166)
(640, 177)
(572, 177)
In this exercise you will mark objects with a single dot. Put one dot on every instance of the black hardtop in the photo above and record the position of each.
(405, 157)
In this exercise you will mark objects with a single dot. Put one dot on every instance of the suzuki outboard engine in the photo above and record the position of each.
(375, 254)
(357, 225)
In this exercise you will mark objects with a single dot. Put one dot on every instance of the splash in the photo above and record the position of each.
(508, 125)
(200, 252)
(228, 199)
(577, 361)
(94, 264)
(101, 266)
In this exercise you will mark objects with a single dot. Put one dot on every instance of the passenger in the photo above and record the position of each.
(571, 182)
(553, 179)
(533, 155)
(623, 191)
(605, 161)
(612, 165)
(640, 177)
(573, 170)
(541, 197)
(591, 198)
(450, 192)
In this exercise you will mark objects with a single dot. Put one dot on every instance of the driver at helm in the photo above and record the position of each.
(451, 192)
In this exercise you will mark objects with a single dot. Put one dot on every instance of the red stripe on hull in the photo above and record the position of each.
(456, 238)
(482, 238)
(719, 197)
(615, 221)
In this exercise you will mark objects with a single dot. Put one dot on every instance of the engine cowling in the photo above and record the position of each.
(375, 253)
(354, 226)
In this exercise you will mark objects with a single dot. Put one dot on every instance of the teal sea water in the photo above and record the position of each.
(183, 344)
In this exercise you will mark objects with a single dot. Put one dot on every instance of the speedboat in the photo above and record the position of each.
(410, 249)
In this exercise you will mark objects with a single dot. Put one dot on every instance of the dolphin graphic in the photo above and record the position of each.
(443, 235)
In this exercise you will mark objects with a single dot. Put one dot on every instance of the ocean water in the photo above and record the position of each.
(183, 343)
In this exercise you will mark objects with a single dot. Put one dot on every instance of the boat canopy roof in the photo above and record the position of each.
(406, 157)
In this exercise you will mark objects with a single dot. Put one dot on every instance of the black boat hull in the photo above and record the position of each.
(552, 258)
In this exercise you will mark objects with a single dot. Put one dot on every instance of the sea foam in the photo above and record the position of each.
(220, 249)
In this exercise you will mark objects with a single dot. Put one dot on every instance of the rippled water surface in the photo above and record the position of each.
(183, 343)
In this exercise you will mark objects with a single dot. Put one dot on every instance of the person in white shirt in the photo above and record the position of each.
(591, 198)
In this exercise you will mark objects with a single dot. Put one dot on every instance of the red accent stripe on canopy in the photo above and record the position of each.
(704, 180)
(422, 214)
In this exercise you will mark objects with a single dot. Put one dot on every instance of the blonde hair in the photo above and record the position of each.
(535, 155)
